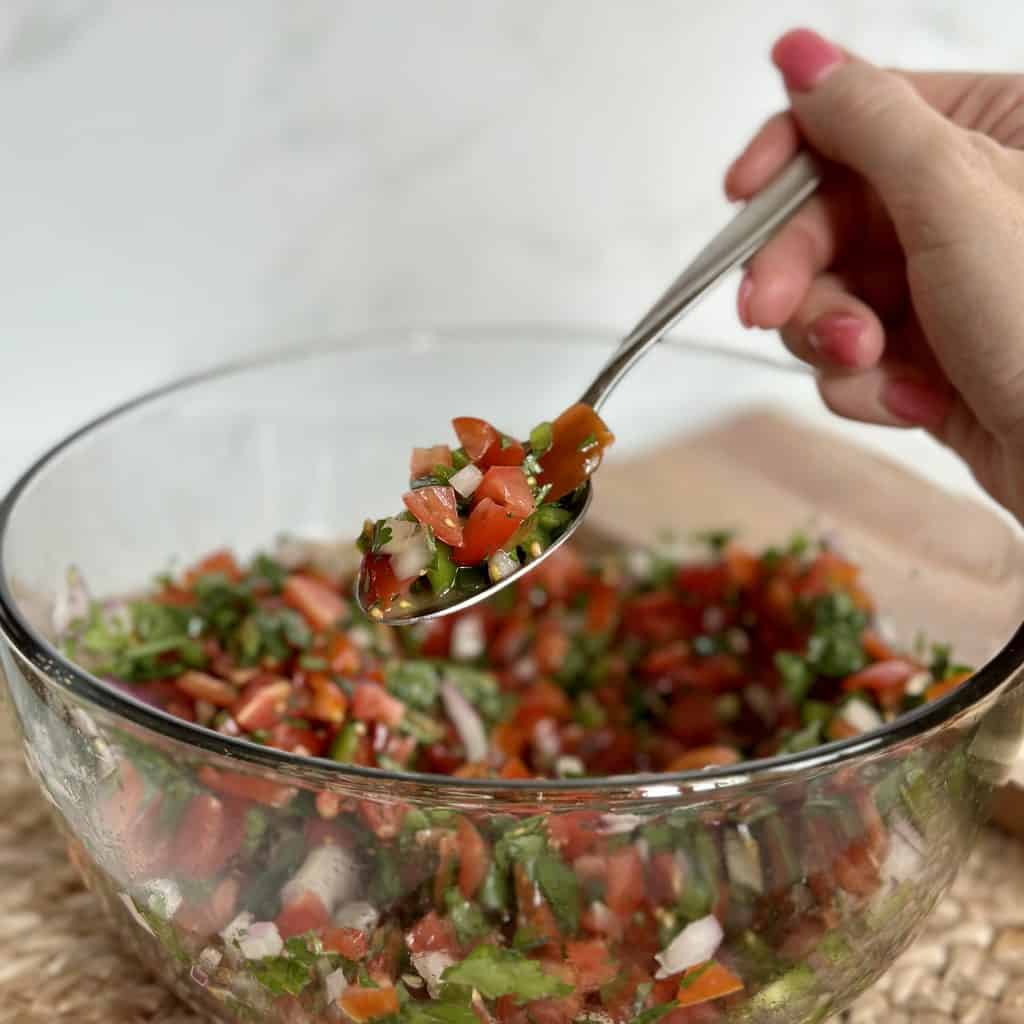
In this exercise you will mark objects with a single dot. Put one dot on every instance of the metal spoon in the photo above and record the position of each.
(743, 236)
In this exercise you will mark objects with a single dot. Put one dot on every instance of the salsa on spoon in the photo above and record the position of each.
(480, 516)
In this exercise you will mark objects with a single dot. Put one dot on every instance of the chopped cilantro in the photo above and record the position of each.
(560, 887)
(796, 674)
(496, 972)
(716, 540)
(467, 917)
(289, 973)
(268, 572)
(415, 683)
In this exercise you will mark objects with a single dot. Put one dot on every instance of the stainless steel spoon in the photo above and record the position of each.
(743, 236)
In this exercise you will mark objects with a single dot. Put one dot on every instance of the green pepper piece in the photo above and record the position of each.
(441, 571)
(344, 746)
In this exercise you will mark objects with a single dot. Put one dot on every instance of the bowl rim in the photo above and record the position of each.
(996, 674)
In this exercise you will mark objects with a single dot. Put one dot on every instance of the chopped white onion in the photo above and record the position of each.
(334, 984)
(860, 715)
(568, 766)
(262, 939)
(918, 683)
(329, 873)
(402, 533)
(696, 943)
(466, 721)
(430, 966)
(71, 601)
(904, 858)
(743, 859)
(604, 921)
(238, 927)
(546, 740)
(468, 639)
(466, 480)
(359, 914)
(411, 562)
(501, 565)
(617, 824)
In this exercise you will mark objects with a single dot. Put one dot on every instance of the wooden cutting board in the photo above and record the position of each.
(933, 559)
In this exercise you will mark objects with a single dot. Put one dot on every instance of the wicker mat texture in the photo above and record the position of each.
(61, 962)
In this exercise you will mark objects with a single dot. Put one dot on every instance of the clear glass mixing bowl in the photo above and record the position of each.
(820, 866)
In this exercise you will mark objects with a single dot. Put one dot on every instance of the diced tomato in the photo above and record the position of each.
(534, 913)
(510, 738)
(343, 655)
(619, 998)
(840, 729)
(436, 507)
(513, 768)
(204, 842)
(704, 757)
(742, 567)
(363, 1004)
(707, 583)
(856, 870)
(602, 608)
(559, 573)
(574, 832)
(550, 646)
(436, 638)
(248, 787)
(875, 647)
(506, 486)
(827, 573)
(217, 563)
(351, 943)
(424, 460)
(508, 452)
(378, 582)
(476, 436)
(296, 739)
(206, 917)
(693, 720)
(948, 685)
(624, 892)
(489, 527)
(321, 606)
(372, 703)
(329, 703)
(591, 963)
(432, 934)
(383, 820)
(542, 700)
(561, 1010)
(705, 982)
(579, 439)
(202, 686)
(474, 858)
(886, 679)
(306, 914)
(263, 703)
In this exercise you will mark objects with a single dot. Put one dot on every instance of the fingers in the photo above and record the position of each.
(833, 329)
(769, 150)
(890, 395)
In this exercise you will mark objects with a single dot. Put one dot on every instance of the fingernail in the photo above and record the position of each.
(915, 402)
(805, 59)
(743, 300)
(835, 335)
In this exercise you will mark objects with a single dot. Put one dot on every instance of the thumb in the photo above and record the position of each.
(870, 120)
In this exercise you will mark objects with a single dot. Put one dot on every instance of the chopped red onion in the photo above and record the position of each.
(466, 721)
(696, 943)
(860, 715)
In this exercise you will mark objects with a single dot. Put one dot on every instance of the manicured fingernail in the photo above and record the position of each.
(743, 300)
(914, 402)
(805, 59)
(835, 336)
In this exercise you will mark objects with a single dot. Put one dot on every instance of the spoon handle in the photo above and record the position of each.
(734, 244)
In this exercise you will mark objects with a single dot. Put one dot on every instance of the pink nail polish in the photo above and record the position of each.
(743, 300)
(915, 402)
(805, 59)
(835, 336)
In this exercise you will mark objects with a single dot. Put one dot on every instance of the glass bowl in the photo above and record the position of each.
(820, 867)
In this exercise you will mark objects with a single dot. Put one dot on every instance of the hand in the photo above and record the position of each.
(902, 280)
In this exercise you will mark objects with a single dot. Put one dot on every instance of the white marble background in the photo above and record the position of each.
(183, 180)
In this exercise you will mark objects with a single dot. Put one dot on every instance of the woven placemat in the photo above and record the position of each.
(61, 962)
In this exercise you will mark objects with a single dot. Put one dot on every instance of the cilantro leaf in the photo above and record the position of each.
(415, 683)
(541, 439)
(439, 1011)
(495, 972)
(281, 975)
(560, 887)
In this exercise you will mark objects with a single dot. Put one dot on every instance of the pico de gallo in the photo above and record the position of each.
(325, 905)
(476, 514)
